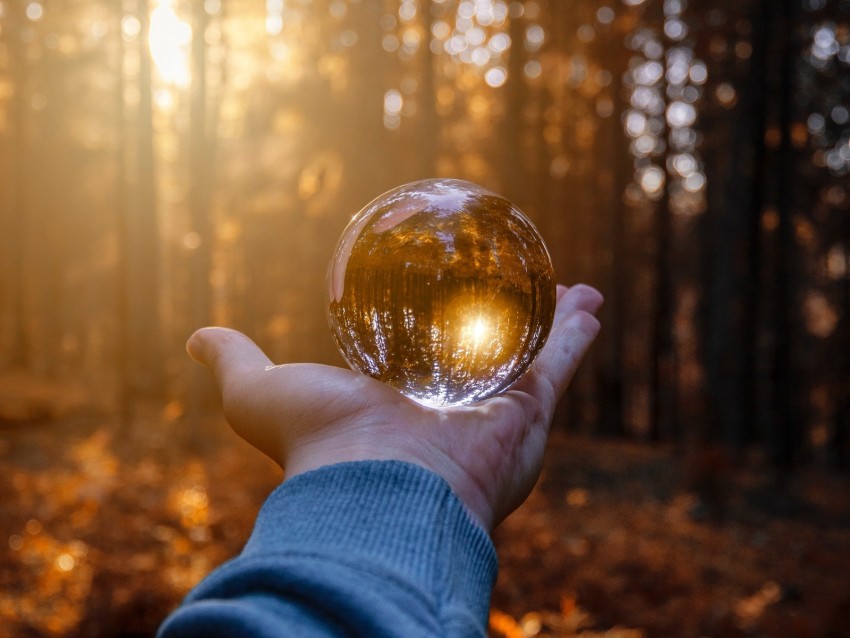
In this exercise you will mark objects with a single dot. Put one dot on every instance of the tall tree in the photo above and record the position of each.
(841, 419)
(664, 365)
(15, 206)
(786, 408)
(612, 143)
(734, 230)
(139, 277)
(201, 154)
(511, 129)
(428, 128)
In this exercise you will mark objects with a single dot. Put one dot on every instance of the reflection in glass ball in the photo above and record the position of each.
(441, 289)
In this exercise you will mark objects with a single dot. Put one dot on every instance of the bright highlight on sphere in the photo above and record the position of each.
(443, 290)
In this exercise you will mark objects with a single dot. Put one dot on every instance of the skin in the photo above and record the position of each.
(305, 415)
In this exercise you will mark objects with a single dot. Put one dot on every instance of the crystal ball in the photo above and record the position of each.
(441, 289)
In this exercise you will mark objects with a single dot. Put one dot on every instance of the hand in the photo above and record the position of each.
(305, 416)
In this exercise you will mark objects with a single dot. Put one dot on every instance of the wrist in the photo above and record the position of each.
(316, 453)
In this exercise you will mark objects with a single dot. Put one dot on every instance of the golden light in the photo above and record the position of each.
(35, 11)
(170, 42)
(533, 69)
(477, 332)
(65, 562)
(652, 180)
(393, 103)
(496, 76)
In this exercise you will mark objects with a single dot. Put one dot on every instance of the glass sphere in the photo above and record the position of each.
(441, 289)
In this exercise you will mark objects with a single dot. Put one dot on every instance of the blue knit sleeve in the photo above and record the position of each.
(370, 548)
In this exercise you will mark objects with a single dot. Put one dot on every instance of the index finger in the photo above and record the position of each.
(573, 330)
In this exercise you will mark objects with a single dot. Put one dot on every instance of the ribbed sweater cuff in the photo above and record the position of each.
(396, 517)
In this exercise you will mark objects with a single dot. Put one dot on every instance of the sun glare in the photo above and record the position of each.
(170, 43)
(477, 332)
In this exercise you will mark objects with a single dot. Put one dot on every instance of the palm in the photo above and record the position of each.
(307, 415)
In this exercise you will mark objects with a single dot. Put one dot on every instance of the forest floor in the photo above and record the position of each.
(105, 528)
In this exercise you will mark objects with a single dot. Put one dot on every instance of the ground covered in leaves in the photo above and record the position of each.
(105, 527)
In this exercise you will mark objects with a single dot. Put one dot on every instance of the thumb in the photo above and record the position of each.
(238, 366)
(227, 353)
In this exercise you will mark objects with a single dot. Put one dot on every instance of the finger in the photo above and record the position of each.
(578, 297)
(228, 353)
(573, 330)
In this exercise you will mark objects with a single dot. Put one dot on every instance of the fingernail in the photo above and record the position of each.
(195, 347)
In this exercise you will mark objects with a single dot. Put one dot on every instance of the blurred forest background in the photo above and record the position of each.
(169, 164)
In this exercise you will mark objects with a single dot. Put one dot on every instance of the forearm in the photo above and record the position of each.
(368, 548)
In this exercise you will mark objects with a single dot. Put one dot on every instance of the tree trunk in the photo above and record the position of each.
(144, 368)
(786, 413)
(15, 205)
(841, 421)
(663, 366)
(510, 134)
(429, 130)
(734, 231)
(200, 391)
(663, 391)
(611, 372)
